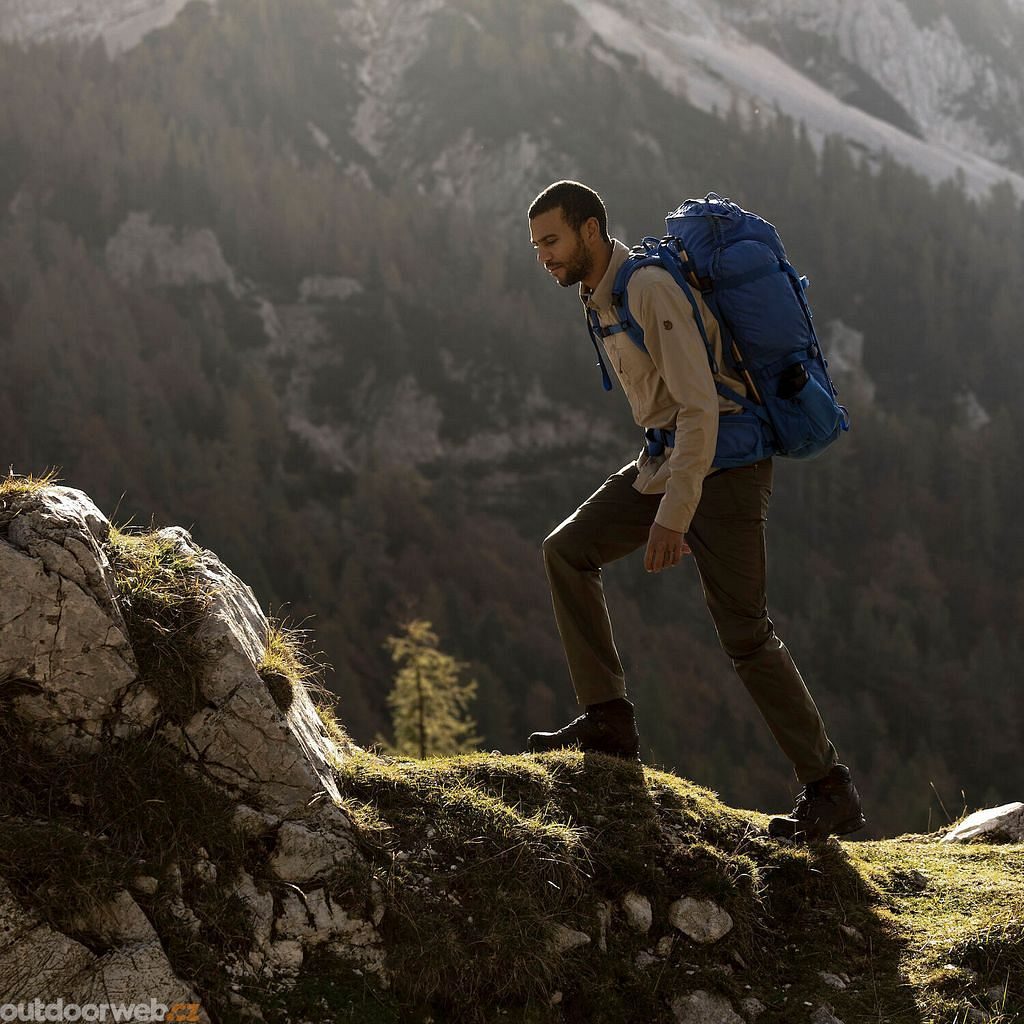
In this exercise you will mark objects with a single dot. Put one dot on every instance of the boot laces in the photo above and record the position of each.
(805, 796)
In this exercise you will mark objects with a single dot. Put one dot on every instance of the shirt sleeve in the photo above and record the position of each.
(678, 352)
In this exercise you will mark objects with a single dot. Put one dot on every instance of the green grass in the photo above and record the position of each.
(961, 909)
(477, 857)
(164, 599)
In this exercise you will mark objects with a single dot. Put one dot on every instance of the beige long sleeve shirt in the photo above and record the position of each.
(669, 386)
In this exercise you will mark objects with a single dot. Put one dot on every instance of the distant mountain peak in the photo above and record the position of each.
(935, 96)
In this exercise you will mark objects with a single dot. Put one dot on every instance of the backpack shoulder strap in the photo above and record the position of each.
(664, 254)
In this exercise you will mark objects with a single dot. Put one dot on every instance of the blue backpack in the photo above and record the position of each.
(737, 262)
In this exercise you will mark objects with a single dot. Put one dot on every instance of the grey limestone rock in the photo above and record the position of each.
(564, 939)
(278, 761)
(313, 919)
(701, 920)
(64, 653)
(824, 1015)
(67, 669)
(752, 1008)
(37, 962)
(702, 1007)
(996, 824)
(638, 912)
(310, 849)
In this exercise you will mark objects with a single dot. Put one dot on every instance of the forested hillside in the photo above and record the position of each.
(398, 447)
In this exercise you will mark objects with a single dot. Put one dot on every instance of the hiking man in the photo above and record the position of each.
(673, 504)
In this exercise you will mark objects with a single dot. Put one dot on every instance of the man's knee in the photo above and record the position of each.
(565, 545)
(746, 638)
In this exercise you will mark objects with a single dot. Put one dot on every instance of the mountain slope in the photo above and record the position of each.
(867, 74)
(121, 24)
(938, 89)
(319, 334)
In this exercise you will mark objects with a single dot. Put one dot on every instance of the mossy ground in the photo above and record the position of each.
(960, 909)
(479, 856)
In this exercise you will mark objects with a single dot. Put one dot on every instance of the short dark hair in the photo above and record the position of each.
(578, 204)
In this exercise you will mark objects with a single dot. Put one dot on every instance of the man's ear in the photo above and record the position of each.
(591, 230)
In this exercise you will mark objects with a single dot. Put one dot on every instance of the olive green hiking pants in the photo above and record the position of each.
(727, 537)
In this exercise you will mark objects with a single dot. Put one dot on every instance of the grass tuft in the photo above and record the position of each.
(290, 660)
(17, 492)
(287, 662)
(16, 485)
(287, 651)
(164, 600)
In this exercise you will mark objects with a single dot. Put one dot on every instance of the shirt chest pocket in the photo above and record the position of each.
(633, 366)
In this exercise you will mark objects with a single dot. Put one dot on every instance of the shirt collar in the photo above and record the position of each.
(601, 296)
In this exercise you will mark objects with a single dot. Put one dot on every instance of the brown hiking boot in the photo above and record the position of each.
(599, 731)
(826, 807)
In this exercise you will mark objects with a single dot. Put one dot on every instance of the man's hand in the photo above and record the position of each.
(665, 548)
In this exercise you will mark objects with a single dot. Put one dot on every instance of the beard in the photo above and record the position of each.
(578, 266)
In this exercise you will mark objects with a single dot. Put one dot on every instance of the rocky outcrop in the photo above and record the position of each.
(72, 684)
(844, 348)
(260, 874)
(152, 253)
(65, 663)
(278, 760)
(122, 24)
(37, 962)
(1003, 824)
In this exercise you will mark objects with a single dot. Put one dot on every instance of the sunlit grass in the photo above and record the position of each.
(14, 484)
(961, 908)
(479, 856)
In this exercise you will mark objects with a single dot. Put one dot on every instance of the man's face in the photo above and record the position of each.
(560, 250)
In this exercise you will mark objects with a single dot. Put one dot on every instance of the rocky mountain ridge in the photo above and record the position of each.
(939, 92)
(121, 24)
(869, 74)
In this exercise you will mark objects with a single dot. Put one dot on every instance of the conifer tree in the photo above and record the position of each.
(429, 701)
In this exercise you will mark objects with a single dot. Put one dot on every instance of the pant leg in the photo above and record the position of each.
(611, 523)
(728, 541)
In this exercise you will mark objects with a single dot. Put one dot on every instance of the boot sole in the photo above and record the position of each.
(842, 828)
(624, 755)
